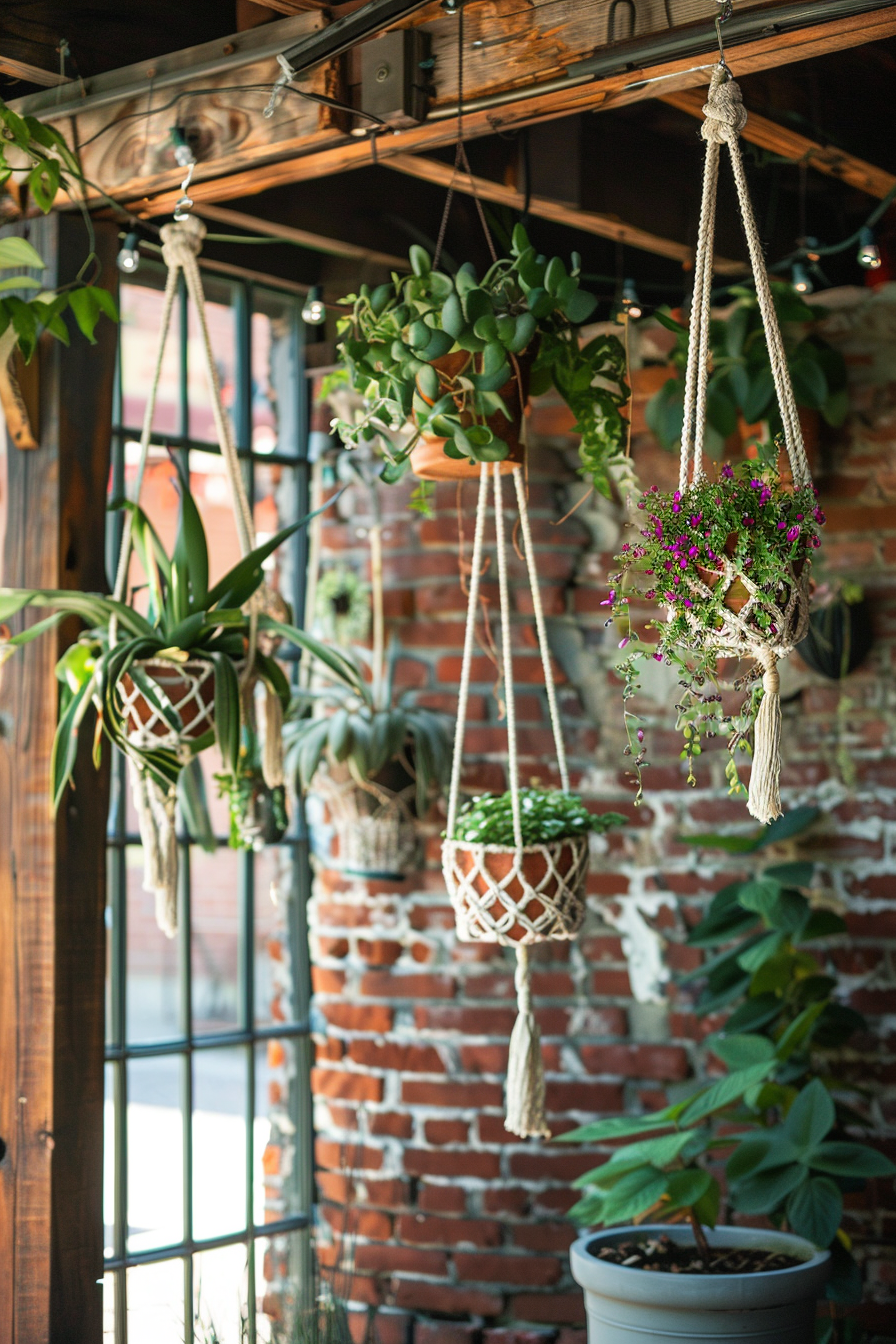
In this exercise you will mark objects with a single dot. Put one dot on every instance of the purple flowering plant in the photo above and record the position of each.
(673, 557)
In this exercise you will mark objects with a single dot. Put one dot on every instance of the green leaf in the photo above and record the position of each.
(686, 1188)
(421, 263)
(706, 1208)
(65, 743)
(845, 1279)
(193, 804)
(13, 282)
(761, 952)
(16, 252)
(658, 1152)
(621, 1127)
(633, 1193)
(227, 711)
(841, 1158)
(814, 1210)
(799, 1030)
(726, 1091)
(741, 1052)
(580, 307)
(810, 1117)
(88, 304)
(798, 874)
(764, 1191)
(44, 181)
(731, 844)
(791, 824)
(749, 1155)
(822, 924)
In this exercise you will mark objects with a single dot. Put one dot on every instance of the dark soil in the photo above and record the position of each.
(660, 1254)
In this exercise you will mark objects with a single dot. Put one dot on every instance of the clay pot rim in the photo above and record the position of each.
(535, 848)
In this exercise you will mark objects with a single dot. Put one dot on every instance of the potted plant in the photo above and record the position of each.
(727, 561)
(456, 359)
(776, 1118)
(527, 895)
(164, 685)
(372, 755)
(840, 634)
(740, 390)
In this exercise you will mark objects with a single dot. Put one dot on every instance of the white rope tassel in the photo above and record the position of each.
(525, 1070)
(764, 802)
(156, 813)
(272, 754)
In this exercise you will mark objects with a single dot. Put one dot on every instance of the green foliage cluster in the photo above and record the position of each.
(774, 1118)
(186, 618)
(365, 724)
(741, 379)
(743, 515)
(524, 305)
(39, 155)
(545, 815)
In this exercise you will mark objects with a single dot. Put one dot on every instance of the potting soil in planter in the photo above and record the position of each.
(662, 1255)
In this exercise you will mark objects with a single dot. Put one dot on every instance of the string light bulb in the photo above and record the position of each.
(314, 311)
(868, 254)
(129, 257)
(800, 279)
(631, 304)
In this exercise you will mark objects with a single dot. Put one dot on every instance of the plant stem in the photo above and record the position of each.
(699, 1235)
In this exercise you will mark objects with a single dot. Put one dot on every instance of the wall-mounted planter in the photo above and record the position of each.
(633, 1306)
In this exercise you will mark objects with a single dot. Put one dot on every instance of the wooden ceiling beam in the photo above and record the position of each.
(31, 74)
(314, 242)
(533, 105)
(603, 226)
(798, 148)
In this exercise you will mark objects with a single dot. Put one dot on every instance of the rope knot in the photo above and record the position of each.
(771, 682)
(182, 239)
(724, 110)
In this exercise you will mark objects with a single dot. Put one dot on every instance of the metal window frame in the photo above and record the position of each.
(119, 1052)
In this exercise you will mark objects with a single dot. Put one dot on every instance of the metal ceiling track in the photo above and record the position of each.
(348, 31)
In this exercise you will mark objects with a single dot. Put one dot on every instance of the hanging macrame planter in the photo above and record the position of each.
(749, 597)
(375, 825)
(518, 894)
(168, 705)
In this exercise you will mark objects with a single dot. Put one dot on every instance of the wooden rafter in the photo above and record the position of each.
(31, 74)
(315, 242)
(604, 226)
(791, 145)
(229, 178)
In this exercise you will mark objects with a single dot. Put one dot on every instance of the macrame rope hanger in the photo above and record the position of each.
(489, 909)
(156, 805)
(725, 117)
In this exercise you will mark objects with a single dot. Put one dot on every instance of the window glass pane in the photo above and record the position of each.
(282, 1264)
(220, 1094)
(153, 978)
(277, 505)
(109, 1161)
(215, 920)
(220, 1297)
(276, 934)
(211, 491)
(112, 858)
(160, 501)
(222, 329)
(155, 1153)
(141, 318)
(280, 1079)
(156, 1303)
(274, 373)
(109, 1309)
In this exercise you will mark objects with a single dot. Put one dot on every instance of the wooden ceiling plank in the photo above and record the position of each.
(31, 74)
(769, 52)
(791, 145)
(315, 242)
(603, 226)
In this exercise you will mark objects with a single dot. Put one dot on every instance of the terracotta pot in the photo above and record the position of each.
(738, 595)
(810, 425)
(485, 868)
(428, 460)
(196, 710)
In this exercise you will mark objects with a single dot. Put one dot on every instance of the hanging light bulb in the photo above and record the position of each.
(800, 279)
(631, 304)
(314, 311)
(868, 254)
(129, 256)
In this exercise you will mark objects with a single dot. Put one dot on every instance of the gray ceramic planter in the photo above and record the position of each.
(629, 1306)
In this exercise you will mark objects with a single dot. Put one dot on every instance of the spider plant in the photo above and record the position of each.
(185, 619)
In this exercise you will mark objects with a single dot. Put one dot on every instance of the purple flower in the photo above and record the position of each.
(658, 530)
(623, 642)
(640, 734)
(609, 599)
(626, 547)
(800, 517)
(696, 519)
(641, 504)
(781, 526)
(816, 542)
(676, 507)
(648, 571)
(755, 484)
(819, 516)
(765, 496)
(651, 592)
(657, 657)
(694, 550)
(683, 563)
(793, 533)
(727, 472)
(688, 602)
(748, 522)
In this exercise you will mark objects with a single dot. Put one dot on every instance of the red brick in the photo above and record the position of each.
(506, 1199)
(371, 1258)
(545, 1236)
(552, 984)
(347, 1086)
(336, 1156)
(394, 1123)
(595, 1098)
(469, 1021)
(553, 1308)
(493, 1130)
(527, 670)
(374, 1017)
(358, 1222)
(446, 1131)
(419, 1295)
(431, 1231)
(490, 985)
(331, 1051)
(606, 982)
(446, 1332)
(424, 917)
(396, 1055)
(379, 951)
(389, 985)
(326, 981)
(388, 1194)
(417, 1092)
(533, 1165)
(484, 1058)
(332, 947)
(442, 1198)
(448, 1162)
(342, 916)
(538, 1271)
(666, 1063)
(389, 1327)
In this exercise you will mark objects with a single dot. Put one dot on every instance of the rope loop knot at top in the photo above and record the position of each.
(724, 109)
(181, 241)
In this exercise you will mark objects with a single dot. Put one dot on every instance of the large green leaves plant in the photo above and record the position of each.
(776, 1116)
(524, 306)
(741, 379)
(186, 618)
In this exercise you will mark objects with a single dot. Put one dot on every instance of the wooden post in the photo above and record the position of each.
(52, 871)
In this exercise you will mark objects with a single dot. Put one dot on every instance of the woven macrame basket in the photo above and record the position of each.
(505, 895)
(375, 826)
(188, 688)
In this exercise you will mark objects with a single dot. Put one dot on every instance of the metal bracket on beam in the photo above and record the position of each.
(348, 31)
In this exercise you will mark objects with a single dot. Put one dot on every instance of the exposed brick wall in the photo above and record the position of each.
(461, 1229)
